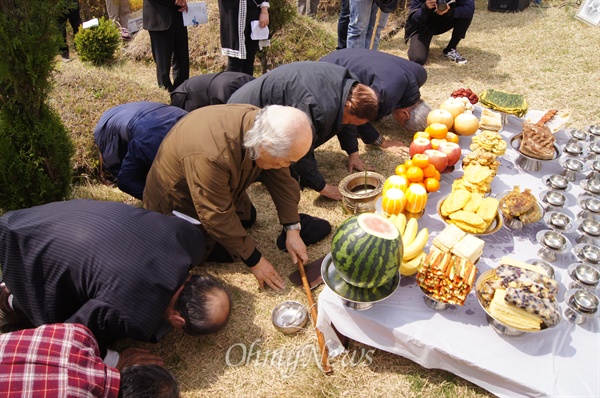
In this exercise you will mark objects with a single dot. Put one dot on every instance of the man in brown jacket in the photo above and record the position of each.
(210, 157)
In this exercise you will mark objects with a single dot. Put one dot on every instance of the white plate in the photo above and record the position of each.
(556, 123)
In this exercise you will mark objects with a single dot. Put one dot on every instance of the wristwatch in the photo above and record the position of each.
(292, 226)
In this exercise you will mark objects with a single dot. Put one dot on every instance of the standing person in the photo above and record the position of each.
(118, 12)
(63, 360)
(209, 159)
(308, 7)
(397, 82)
(122, 271)
(235, 25)
(168, 39)
(332, 97)
(210, 89)
(128, 137)
(426, 19)
(343, 22)
(363, 15)
(74, 18)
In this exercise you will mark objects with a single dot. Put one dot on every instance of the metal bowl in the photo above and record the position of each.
(591, 186)
(559, 222)
(492, 228)
(557, 182)
(578, 135)
(289, 317)
(584, 275)
(588, 253)
(574, 148)
(546, 267)
(553, 200)
(581, 305)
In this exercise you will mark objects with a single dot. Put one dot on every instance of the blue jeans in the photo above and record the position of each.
(362, 21)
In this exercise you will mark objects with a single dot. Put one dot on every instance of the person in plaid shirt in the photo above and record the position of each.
(63, 359)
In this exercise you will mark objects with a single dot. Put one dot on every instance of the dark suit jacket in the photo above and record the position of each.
(109, 266)
(158, 14)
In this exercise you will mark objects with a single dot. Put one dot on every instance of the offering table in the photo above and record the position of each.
(561, 361)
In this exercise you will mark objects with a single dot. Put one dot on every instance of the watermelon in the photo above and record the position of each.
(367, 250)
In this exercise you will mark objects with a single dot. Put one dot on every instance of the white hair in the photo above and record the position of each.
(274, 130)
(418, 117)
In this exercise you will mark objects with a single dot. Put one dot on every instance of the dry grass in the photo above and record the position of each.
(543, 53)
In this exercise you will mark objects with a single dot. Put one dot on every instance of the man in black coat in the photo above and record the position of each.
(209, 89)
(396, 81)
(120, 270)
(331, 96)
(168, 39)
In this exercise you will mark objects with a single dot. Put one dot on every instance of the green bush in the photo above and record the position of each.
(98, 44)
(35, 159)
(35, 148)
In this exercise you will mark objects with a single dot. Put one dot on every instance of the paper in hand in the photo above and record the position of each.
(258, 33)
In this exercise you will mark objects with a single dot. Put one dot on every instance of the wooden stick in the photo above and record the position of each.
(375, 28)
(326, 367)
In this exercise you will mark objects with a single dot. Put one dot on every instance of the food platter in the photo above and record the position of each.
(494, 226)
(498, 326)
(355, 297)
(558, 121)
(528, 163)
(516, 224)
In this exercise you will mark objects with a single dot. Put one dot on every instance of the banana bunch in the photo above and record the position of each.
(413, 240)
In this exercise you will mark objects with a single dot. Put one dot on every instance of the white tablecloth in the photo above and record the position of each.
(562, 361)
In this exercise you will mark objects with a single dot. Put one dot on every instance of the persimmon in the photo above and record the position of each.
(429, 171)
(421, 134)
(431, 184)
(400, 170)
(437, 130)
(414, 174)
(420, 160)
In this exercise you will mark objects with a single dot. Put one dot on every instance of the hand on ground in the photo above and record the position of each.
(264, 272)
(331, 192)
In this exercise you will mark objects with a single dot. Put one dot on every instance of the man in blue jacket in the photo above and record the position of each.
(128, 137)
(428, 18)
(397, 83)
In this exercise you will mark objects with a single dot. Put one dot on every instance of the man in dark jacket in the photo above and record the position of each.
(427, 19)
(169, 40)
(331, 96)
(397, 83)
(128, 137)
(209, 89)
(122, 271)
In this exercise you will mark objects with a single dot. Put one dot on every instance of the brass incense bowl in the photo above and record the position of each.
(360, 191)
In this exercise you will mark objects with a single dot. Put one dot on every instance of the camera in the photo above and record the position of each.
(442, 5)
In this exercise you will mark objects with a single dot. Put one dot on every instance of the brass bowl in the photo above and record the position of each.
(494, 226)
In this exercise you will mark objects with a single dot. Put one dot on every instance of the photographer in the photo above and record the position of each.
(428, 18)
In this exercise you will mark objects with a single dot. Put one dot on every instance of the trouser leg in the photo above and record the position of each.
(461, 25)
(162, 52)
(418, 47)
(342, 27)
(181, 54)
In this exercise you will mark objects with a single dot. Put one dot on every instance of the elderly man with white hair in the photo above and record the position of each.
(207, 161)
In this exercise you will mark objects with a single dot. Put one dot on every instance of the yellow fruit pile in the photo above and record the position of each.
(413, 241)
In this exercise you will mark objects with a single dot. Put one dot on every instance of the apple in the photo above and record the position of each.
(435, 142)
(440, 116)
(466, 124)
(452, 150)
(419, 145)
(437, 158)
(454, 106)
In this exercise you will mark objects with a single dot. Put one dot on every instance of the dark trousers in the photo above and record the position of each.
(244, 65)
(74, 19)
(343, 22)
(170, 47)
(418, 50)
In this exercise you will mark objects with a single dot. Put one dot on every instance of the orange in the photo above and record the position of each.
(437, 130)
(437, 175)
(414, 174)
(420, 160)
(452, 137)
(408, 164)
(400, 170)
(429, 171)
(431, 184)
(421, 134)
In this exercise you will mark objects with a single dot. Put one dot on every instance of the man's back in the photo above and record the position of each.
(110, 266)
(396, 80)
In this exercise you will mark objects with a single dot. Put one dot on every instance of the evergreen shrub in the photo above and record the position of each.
(98, 44)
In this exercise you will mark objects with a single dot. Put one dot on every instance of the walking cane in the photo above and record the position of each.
(313, 311)
(375, 28)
